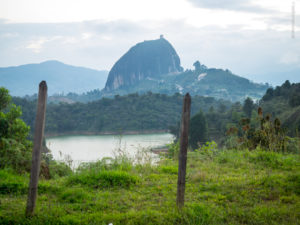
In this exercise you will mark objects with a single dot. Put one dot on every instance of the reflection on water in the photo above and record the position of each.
(92, 148)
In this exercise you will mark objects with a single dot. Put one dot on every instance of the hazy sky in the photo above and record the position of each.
(252, 38)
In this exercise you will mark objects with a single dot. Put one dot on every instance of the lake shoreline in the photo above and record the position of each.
(84, 148)
(89, 133)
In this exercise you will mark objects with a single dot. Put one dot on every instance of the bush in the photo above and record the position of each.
(173, 150)
(59, 169)
(104, 179)
(12, 183)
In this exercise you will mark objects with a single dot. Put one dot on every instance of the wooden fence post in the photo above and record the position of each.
(184, 135)
(37, 145)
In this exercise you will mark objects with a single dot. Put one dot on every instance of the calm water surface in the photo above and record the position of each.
(91, 148)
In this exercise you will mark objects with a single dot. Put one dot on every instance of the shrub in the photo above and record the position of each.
(209, 149)
(12, 183)
(173, 150)
(59, 169)
(103, 179)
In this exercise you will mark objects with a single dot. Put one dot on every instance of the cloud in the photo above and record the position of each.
(290, 58)
(232, 5)
(9, 35)
(37, 44)
(99, 44)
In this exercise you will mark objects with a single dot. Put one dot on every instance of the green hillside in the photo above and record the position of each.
(202, 81)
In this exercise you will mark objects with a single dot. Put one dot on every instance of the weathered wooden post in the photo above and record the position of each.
(37, 145)
(184, 135)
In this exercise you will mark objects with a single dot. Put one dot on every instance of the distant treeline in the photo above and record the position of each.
(284, 102)
(152, 112)
(132, 112)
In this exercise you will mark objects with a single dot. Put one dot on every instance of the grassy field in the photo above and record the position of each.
(222, 187)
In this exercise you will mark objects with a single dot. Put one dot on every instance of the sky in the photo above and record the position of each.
(252, 38)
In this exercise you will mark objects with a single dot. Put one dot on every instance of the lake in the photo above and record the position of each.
(91, 148)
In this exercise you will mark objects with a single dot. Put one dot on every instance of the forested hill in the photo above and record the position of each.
(147, 112)
(284, 102)
(203, 81)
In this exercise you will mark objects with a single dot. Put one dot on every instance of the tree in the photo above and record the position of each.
(4, 98)
(15, 148)
(248, 107)
(269, 94)
(197, 65)
(286, 84)
(198, 130)
(222, 108)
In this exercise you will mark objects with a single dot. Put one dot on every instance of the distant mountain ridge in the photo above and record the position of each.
(61, 78)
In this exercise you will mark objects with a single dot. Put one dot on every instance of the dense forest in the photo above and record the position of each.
(132, 112)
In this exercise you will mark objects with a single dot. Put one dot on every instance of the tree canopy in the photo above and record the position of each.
(198, 129)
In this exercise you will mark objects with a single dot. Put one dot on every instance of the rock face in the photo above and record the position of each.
(145, 60)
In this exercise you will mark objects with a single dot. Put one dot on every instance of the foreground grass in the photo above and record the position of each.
(222, 187)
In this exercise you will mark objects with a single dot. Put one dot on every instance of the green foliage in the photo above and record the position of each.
(11, 183)
(198, 130)
(104, 179)
(268, 135)
(284, 102)
(248, 107)
(4, 98)
(76, 195)
(227, 187)
(173, 149)
(272, 160)
(15, 148)
(16, 184)
(293, 145)
(169, 169)
(134, 112)
(209, 149)
(58, 169)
